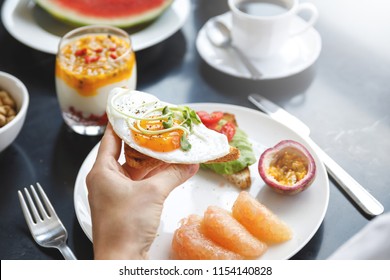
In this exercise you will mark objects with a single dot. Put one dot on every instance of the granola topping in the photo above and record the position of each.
(94, 61)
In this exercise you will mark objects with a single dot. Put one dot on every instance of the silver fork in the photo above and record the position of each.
(44, 224)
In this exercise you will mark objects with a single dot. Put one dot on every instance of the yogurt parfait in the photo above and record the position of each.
(90, 62)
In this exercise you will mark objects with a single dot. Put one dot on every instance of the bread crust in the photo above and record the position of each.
(233, 154)
(241, 179)
(138, 160)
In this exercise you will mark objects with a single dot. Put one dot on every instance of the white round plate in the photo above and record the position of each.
(303, 212)
(296, 55)
(35, 28)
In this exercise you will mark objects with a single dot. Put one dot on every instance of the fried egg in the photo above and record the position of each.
(161, 130)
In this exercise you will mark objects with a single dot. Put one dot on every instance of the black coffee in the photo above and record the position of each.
(263, 7)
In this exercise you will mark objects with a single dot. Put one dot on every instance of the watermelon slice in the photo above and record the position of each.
(120, 13)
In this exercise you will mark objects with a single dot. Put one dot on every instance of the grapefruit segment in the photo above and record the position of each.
(220, 226)
(190, 243)
(259, 220)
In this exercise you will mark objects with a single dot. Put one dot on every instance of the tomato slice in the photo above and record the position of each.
(210, 119)
(229, 129)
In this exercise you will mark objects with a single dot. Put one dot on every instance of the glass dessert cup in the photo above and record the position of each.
(90, 62)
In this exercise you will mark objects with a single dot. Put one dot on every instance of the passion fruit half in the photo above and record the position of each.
(287, 168)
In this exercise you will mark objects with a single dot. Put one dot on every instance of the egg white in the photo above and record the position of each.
(206, 144)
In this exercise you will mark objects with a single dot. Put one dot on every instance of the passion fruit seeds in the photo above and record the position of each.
(288, 167)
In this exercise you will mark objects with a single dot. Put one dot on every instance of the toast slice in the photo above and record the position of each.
(242, 178)
(137, 160)
(233, 154)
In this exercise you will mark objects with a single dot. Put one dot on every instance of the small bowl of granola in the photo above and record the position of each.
(14, 100)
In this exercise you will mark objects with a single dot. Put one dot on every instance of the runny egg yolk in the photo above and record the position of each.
(288, 168)
(163, 142)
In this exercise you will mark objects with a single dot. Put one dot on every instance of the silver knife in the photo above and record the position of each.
(356, 192)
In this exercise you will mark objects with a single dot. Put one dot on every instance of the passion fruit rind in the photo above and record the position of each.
(271, 155)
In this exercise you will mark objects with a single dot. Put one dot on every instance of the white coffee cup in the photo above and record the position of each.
(260, 28)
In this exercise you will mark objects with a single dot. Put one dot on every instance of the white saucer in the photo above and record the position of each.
(298, 54)
(35, 28)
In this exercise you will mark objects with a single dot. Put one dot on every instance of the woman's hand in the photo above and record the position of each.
(126, 203)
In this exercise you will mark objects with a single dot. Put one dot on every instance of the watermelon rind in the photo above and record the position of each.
(77, 19)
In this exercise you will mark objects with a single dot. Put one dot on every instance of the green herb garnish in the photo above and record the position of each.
(184, 144)
(168, 123)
